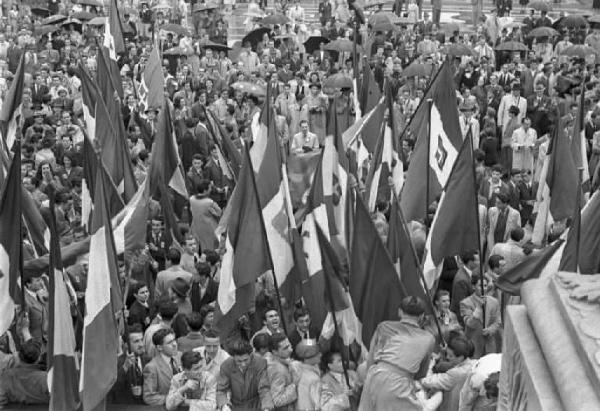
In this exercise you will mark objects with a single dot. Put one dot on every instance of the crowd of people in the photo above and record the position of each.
(510, 101)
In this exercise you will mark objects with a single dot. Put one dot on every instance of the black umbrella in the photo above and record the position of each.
(40, 11)
(313, 43)
(83, 15)
(572, 20)
(207, 44)
(255, 36)
(511, 46)
(343, 45)
(54, 19)
(40, 31)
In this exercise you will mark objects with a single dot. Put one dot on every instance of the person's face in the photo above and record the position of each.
(304, 127)
(209, 320)
(169, 346)
(66, 118)
(526, 124)
(142, 295)
(443, 303)
(211, 347)
(284, 350)
(496, 176)
(525, 177)
(27, 183)
(46, 169)
(303, 323)
(516, 178)
(242, 361)
(336, 364)
(197, 164)
(136, 343)
(191, 246)
(156, 226)
(500, 205)
(35, 284)
(450, 356)
(478, 287)
(67, 162)
(272, 320)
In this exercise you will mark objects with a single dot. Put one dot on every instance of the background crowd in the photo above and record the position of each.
(515, 83)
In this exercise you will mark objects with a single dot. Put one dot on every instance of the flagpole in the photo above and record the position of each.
(269, 254)
(427, 165)
(578, 210)
(475, 199)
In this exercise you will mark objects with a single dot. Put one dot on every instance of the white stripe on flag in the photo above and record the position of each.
(442, 153)
(97, 294)
(227, 288)
(7, 305)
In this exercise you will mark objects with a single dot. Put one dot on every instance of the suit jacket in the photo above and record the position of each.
(212, 288)
(37, 92)
(527, 194)
(38, 317)
(485, 190)
(157, 380)
(162, 243)
(461, 289)
(513, 221)
(473, 326)
(526, 78)
(121, 391)
(514, 196)
(139, 314)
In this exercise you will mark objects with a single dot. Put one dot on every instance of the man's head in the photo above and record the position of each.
(167, 311)
(31, 351)
(517, 234)
(191, 245)
(33, 283)
(165, 342)
(241, 351)
(476, 280)
(194, 321)
(459, 348)
(496, 173)
(442, 300)
(280, 346)
(173, 256)
(212, 342)
(136, 339)
(308, 351)
(526, 123)
(189, 359)
(526, 176)
(501, 201)
(304, 127)
(470, 259)
(412, 307)
(141, 292)
(496, 263)
(302, 319)
(515, 175)
(156, 225)
(271, 319)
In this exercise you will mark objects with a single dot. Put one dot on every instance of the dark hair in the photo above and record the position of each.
(203, 269)
(491, 385)
(498, 168)
(275, 340)
(197, 156)
(211, 334)
(468, 256)
(135, 288)
(212, 257)
(30, 351)
(441, 293)
(202, 185)
(261, 341)
(159, 336)
(412, 305)
(174, 256)
(502, 197)
(300, 312)
(189, 358)
(494, 261)
(205, 310)
(167, 310)
(461, 346)
(475, 278)
(267, 309)
(517, 234)
(327, 359)
(240, 347)
(194, 321)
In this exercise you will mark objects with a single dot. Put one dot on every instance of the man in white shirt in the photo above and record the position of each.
(212, 354)
(304, 141)
(512, 99)
(468, 122)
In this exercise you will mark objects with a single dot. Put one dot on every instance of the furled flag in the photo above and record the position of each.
(89, 97)
(10, 115)
(340, 309)
(439, 138)
(10, 244)
(113, 31)
(570, 255)
(386, 162)
(230, 158)
(108, 76)
(273, 193)
(246, 252)
(151, 89)
(557, 190)
(374, 285)
(370, 94)
(455, 227)
(100, 336)
(62, 364)
(399, 245)
(579, 144)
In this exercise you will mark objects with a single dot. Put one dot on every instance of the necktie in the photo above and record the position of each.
(174, 366)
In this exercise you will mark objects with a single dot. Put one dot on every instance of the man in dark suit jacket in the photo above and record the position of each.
(212, 171)
(514, 195)
(538, 107)
(303, 330)
(527, 195)
(38, 90)
(36, 306)
(158, 242)
(130, 379)
(204, 289)
(461, 285)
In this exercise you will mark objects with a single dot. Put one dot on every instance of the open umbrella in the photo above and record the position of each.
(375, 4)
(54, 19)
(572, 20)
(511, 46)
(76, 24)
(458, 50)
(97, 21)
(543, 32)
(83, 15)
(42, 30)
(177, 51)
(255, 35)
(579, 50)
(249, 88)
(94, 3)
(418, 69)
(338, 80)
(312, 43)
(176, 29)
(274, 19)
(40, 11)
(341, 45)
(540, 5)
(383, 21)
(207, 44)
(594, 19)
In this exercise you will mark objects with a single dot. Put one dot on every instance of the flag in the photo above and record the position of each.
(557, 190)
(151, 89)
(226, 147)
(108, 75)
(100, 336)
(455, 227)
(403, 256)
(10, 244)
(89, 98)
(375, 287)
(589, 240)
(435, 154)
(273, 194)
(10, 115)
(353, 139)
(570, 256)
(113, 32)
(165, 163)
(370, 94)
(386, 162)
(336, 296)
(579, 143)
(130, 224)
(530, 268)
(246, 251)
(62, 364)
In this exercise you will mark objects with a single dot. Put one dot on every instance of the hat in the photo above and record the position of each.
(466, 106)
(180, 287)
(307, 349)
(540, 87)
(514, 110)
